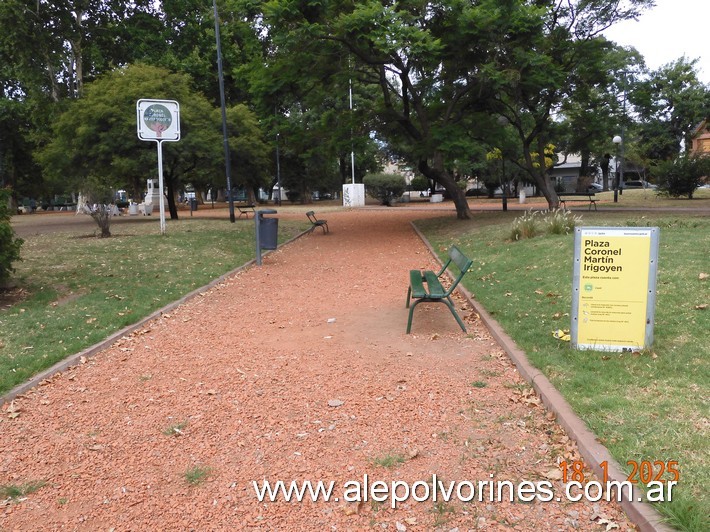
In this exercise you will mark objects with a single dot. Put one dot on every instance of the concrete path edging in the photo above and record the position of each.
(643, 515)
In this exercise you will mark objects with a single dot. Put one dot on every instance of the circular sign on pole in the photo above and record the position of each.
(158, 120)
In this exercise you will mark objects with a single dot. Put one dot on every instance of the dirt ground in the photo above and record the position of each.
(296, 370)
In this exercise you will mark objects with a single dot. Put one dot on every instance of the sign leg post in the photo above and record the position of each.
(160, 187)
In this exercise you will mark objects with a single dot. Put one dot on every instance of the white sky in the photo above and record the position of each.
(672, 29)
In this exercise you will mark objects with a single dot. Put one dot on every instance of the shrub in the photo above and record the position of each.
(561, 222)
(9, 245)
(683, 175)
(531, 224)
(525, 226)
(385, 187)
(419, 183)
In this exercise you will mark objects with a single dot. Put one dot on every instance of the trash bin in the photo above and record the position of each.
(267, 230)
(193, 204)
(268, 233)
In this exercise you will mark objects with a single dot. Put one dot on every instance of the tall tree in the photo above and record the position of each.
(558, 56)
(95, 141)
(669, 103)
(439, 65)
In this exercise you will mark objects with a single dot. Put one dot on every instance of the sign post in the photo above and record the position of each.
(614, 287)
(159, 121)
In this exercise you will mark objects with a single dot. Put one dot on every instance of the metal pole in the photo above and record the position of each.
(621, 173)
(160, 187)
(278, 168)
(227, 160)
(257, 223)
(352, 149)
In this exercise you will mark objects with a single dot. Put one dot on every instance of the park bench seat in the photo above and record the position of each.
(315, 222)
(577, 196)
(425, 286)
(245, 209)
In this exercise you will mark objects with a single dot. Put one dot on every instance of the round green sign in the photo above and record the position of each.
(158, 118)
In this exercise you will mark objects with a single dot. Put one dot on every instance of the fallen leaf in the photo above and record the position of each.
(703, 276)
(553, 474)
(704, 306)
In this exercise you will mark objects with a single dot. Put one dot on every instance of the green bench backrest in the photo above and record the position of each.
(461, 260)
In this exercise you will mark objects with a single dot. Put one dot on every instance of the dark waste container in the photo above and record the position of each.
(268, 233)
(193, 204)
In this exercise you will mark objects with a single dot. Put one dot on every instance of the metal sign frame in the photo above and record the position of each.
(614, 288)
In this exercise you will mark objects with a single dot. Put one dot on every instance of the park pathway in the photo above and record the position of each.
(296, 370)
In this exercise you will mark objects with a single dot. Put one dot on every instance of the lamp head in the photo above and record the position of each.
(616, 139)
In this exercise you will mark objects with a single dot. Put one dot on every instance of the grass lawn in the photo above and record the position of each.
(651, 405)
(80, 289)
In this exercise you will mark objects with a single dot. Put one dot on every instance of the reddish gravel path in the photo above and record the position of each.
(248, 371)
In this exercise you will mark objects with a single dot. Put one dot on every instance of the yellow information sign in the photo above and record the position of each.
(614, 288)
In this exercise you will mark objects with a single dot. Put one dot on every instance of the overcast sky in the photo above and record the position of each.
(668, 31)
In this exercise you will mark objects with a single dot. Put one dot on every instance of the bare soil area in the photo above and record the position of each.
(296, 370)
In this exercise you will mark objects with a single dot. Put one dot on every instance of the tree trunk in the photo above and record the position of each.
(172, 207)
(102, 217)
(605, 170)
(439, 175)
(539, 174)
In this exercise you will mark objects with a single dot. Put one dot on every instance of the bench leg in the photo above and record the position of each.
(411, 315)
(453, 311)
(444, 301)
(409, 296)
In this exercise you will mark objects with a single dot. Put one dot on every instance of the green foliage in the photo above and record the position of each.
(419, 183)
(683, 175)
(560, 221)
(17, 491)
(669, 104)
(525, 226)
(197, 474)
(9, 244)
(533, 223)
(385, 187)
(389, 460)
(95, 147)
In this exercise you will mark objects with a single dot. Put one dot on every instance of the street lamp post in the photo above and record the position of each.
(278, 170)
(225, 136)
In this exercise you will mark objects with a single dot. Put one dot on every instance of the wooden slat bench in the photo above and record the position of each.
(245, 209)
(434, 291)
(577, 196)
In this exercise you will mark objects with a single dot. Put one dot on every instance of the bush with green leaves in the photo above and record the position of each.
(419, 183)
(385, 187)
(683, 175)
(9, 244)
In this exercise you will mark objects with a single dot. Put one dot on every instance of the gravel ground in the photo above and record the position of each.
(296, 370)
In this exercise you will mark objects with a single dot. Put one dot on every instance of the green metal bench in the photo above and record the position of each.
(434, 291)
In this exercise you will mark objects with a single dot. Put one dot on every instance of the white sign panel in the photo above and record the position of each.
(158, 120)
